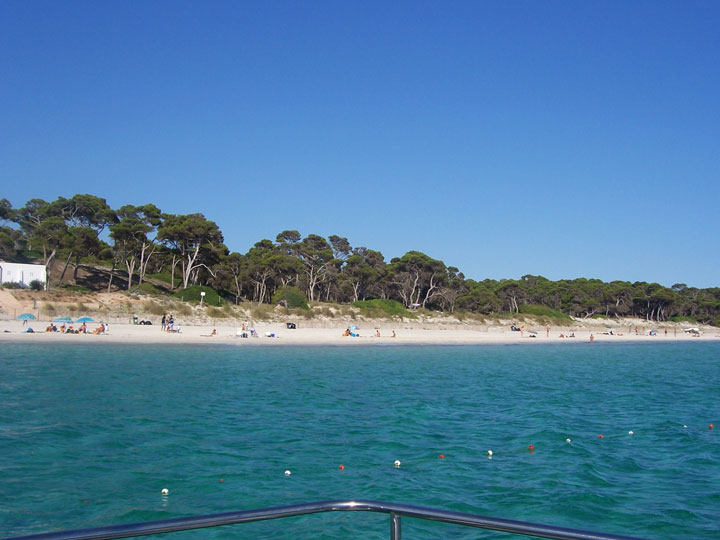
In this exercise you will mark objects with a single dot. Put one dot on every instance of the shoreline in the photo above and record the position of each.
(14, 331)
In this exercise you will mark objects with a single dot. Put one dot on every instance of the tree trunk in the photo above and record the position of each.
(187, 270)
(67, 263)
(144, 261)
(237, 288)
(77, 264)
(112, 273)
(130, 265)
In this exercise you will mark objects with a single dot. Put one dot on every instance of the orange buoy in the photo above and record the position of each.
(600, 436)
(341, 467)
(442, 456)
(531, 448)
(710, 426)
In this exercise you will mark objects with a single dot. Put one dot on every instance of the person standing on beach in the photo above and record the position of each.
(163, 321)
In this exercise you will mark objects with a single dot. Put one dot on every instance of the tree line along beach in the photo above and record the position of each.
(140, 261)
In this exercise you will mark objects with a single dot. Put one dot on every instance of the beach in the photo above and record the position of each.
(277, 334)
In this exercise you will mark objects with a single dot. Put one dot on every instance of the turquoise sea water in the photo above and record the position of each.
(90, 435)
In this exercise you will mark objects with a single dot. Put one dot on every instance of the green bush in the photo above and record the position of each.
(146, 288)
(290, 297)
(543, 311)
(682, 318)
(192, 294)
(11, 285)
(380, 309)
(76, 288)
(36, 285)
(165, 276)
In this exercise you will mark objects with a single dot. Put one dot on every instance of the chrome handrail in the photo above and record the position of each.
(396, 511)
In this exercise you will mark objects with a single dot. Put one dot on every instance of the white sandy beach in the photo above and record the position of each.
(406, 334)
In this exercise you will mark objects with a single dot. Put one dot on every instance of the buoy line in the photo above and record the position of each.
(530, 448)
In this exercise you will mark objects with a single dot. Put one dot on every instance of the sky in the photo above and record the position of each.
(563, 139)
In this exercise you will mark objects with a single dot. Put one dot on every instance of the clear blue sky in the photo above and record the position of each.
(567, 139)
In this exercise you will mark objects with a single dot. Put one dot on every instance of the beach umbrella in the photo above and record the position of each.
(85, 319)
(63, 319)
(26, 317)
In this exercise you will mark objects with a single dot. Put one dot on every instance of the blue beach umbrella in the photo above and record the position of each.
(63, 319)
(85, 319)
(26, 317)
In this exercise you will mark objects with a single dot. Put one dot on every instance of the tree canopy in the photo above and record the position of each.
(142, 240)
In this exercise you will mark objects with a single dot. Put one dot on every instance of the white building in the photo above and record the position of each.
(23, 274)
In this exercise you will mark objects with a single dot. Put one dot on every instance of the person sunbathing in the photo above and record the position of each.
(213, 333)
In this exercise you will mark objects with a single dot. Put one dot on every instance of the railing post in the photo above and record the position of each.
(395, 526)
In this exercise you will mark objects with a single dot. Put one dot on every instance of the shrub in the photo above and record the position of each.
(192, 294)
(683, 318)
(165, 276)
(346, 311)
(37, 285)
(379, 309)
(147, 288)
(154, 308)
(290, 297)
(468, 315)
(300, 312)
(324, 312)
(11, 285)
(75, 288)
(228, 310)
(544, 311)
(183, 309)
(216, 313)
(261, 312)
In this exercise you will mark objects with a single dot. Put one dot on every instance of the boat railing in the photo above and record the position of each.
(395, 511)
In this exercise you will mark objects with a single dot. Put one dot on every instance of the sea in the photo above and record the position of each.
(621, 436)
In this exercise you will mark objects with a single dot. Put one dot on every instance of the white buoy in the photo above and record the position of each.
(490, 453)
(397, 463)
(165, 491)
(568, 440)
(631, 433)
(685, 426)
(287, 473)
